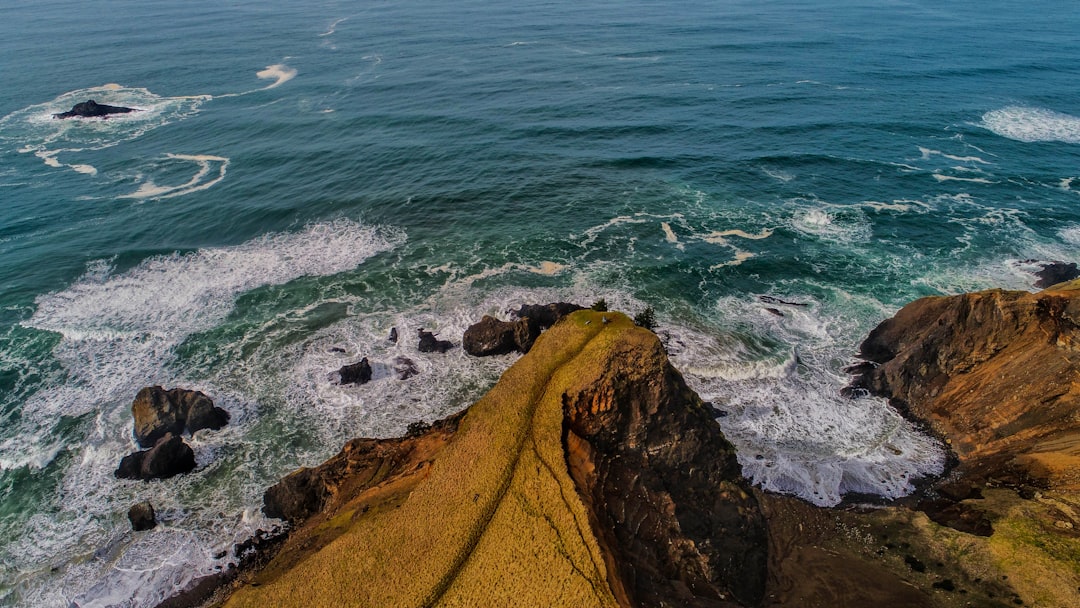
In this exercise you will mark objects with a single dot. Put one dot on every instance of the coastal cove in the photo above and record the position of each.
(297, 179)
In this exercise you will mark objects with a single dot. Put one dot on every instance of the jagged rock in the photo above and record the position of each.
(994, 372)
(142, 516)
(405, 368)
(157, 412)
(675, 517)
(357, 373)
(546, 315)
(170, 456)
(362, 463)
(393, 337)
(494, 337)
(1053, 273)
(430, 344)
(92, 109)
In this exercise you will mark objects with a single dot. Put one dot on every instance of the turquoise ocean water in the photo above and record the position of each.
(301, 177)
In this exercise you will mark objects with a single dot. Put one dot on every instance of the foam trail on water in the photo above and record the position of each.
(279, 73)
(333, 27)
(34, 130)
(1028, 124)
(198, 182)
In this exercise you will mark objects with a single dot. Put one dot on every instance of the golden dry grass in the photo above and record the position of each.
(497, 520)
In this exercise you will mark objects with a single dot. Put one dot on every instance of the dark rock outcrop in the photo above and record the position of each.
(141, 516)
(678, 522)
(169, 457)
(546, 315)
(158, 411)
(430, 344)
(1053, 273)
(356, 373)
(92, 109)
(494, 337)
(361, 464)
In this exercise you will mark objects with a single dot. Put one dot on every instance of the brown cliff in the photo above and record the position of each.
(995, 373)
(589, 476)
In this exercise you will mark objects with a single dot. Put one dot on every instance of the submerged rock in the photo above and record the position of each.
(404, 367)
(158, 411)
(169, 457)
(142, 516)
(92, 109)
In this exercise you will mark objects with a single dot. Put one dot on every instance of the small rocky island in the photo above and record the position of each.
(592, 475)
(93, 109)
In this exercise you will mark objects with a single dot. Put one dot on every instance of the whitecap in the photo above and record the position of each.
(952, 178)
(1029, 124)
(777, 381)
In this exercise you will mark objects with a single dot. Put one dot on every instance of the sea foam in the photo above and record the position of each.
(1028, 124)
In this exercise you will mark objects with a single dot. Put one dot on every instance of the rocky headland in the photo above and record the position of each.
(591, 475)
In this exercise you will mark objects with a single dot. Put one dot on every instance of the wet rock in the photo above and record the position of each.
(405, 368)
(158, 411)
(494, 337)
(357, 373)
(393, 337)
(142, 516)
(430, 344)
(546, 315)
(169, 457)
(772, 300)
(92, 109)
(1053, 273)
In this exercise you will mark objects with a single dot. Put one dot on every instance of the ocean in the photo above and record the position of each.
(773, 178)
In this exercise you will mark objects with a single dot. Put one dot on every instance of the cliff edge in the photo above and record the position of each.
(590, 475)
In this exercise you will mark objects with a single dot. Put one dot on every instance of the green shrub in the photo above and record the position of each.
(646, 318)
(600, 305)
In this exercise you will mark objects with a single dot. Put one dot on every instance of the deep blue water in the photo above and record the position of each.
(303, 176)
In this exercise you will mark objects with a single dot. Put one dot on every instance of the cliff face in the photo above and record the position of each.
(590, 475)
(994, 372)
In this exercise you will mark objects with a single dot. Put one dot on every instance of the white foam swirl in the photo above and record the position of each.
(1028, 124)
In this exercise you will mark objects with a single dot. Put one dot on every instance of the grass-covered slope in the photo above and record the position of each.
(494, 519)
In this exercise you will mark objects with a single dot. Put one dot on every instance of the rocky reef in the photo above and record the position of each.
(591, 475)
(93, 109)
